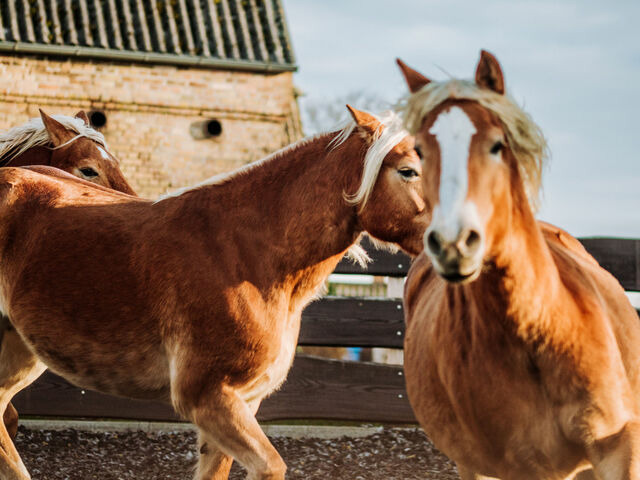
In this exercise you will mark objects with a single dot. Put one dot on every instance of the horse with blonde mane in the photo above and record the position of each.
(522, 354)
(195, 299)
(64, 142)
(67, 143)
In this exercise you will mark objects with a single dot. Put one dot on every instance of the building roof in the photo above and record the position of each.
(234, 34)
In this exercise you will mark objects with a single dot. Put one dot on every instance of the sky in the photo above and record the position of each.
(573, 65)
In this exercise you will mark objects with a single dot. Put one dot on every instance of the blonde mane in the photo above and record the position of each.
(16, 141)
(525, 138)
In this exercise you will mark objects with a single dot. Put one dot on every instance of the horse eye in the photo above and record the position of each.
(88, 172)
(418, 152)
(408, 173)
(497, 148)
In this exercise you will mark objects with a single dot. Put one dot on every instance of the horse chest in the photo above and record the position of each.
(490, 412)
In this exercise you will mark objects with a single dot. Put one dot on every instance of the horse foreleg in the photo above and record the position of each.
(9, 470)
(229, 423)
(586, 475)
(466, 474)
(213, 464)
(18, 368)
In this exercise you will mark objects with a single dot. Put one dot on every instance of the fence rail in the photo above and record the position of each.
(320, 388)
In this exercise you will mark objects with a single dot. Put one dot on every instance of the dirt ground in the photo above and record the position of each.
(393, 454)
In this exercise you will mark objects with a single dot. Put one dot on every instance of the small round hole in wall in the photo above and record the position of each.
(97, 118)
(206, 129)
(214, 128)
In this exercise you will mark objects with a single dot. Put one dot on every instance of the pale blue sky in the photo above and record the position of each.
(575, 65)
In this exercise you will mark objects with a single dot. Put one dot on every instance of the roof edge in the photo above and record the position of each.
(143, 57)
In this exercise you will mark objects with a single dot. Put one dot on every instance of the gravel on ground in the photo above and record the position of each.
(392, 454)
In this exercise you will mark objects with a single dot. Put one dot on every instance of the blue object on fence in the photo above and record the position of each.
(353, 353)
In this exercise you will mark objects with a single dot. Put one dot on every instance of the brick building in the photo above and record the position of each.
(181, 89)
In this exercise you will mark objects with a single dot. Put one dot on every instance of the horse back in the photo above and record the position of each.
(605, 309)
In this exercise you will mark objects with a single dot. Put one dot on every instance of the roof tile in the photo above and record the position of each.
(242, 31)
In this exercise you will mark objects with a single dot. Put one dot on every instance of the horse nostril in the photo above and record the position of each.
(472, 241)
(434, 243)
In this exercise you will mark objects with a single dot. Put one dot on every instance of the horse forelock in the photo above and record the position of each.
(524, 136)
(17, 140)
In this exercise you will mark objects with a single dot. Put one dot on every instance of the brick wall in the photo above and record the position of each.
(149, 111)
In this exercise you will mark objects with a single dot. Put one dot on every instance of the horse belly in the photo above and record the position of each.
(129, 370)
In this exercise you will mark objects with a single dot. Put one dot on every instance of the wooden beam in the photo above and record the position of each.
(353, 322)
(316, 388)
(383, 263)
(620, 256)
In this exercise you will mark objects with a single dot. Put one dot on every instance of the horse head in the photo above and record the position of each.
(389, 196)
(482, 155)
(83, 156)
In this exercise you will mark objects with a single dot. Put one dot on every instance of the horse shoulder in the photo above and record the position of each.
(234, 338)
(601, 342)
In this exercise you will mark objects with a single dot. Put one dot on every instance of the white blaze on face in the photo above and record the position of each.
(104, 153)
(453, 130)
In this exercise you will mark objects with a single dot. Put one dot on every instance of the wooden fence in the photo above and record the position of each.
(320, 388)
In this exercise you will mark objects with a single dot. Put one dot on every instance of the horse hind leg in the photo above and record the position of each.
(10, 416)
(10, 419)
(18, 368)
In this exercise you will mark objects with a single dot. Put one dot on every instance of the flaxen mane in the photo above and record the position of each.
(16, 141)
(525, 137)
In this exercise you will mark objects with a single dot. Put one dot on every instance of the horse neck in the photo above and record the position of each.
(33, 156)
(291, 206)
(523, 277)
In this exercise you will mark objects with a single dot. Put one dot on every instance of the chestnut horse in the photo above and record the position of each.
(195, 299)
(522, 354)
(67, 143)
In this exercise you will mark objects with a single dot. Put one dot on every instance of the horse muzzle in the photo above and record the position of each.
(458, 260)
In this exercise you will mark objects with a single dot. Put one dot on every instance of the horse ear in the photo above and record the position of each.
(58, 133)
(366, 123)
(489, 74)
(415, 80)
(83, 116)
